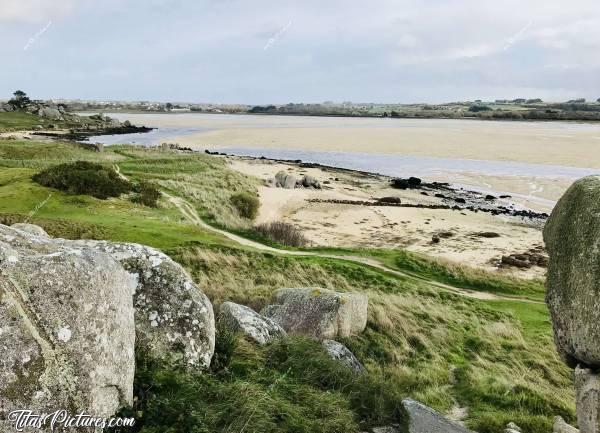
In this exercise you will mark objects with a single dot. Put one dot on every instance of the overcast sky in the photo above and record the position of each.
(278, 51)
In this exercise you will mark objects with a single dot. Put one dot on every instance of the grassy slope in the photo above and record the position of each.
(496, 358)
(501, 354)
(20, 120)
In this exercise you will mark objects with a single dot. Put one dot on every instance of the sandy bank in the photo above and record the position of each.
(342, 225)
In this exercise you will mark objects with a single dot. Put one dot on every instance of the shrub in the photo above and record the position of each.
(284, 233)
(246, 204)
(147, 194)
(82, 177)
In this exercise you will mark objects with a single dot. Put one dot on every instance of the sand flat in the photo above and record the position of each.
(553, 143)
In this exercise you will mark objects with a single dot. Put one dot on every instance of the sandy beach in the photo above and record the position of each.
(535, 162)
(344, 225)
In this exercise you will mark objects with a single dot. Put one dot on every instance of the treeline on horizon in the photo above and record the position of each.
(501, 109)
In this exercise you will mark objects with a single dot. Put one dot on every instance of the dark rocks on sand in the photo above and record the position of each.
(488, 235)
(411, 182)
(395, 200)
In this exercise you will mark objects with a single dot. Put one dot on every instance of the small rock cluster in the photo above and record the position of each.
(314, 312)
(289, 181)
(526, 260)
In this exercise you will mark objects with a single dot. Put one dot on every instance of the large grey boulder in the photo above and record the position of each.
(285, 180)
(174, 319)
(31, 228)
(67, 330)
(422, 419)
(587, 390)
(240, 318)
(319, 313)
(341, 353)
(572, 236)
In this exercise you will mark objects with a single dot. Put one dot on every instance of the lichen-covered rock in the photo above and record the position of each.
(174, 319)
(341, 353)
(587, 390)
(422, 419)
(31, 228)
(560, 426)
(244, 319)
(67, 330)
(319, 313)
(572, 236)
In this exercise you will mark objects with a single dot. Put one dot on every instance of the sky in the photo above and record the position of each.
(280, 51)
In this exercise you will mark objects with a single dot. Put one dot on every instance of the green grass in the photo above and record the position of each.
(450, 273)
(18, 120)
(21, 120)
(496, 358)
(501, 354)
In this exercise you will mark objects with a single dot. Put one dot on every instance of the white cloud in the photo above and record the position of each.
(34, 11)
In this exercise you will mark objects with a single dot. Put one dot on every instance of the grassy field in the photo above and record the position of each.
(494, 360)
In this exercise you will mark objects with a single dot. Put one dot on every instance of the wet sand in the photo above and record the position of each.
(550, 147)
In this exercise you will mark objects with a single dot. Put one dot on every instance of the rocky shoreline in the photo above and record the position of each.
(452, 197)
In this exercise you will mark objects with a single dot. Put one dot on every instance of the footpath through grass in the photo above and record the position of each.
(496, 360)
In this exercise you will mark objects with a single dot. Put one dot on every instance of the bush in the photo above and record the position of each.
(147, 194)
(246, 204)
(284, 233)
(84, 177)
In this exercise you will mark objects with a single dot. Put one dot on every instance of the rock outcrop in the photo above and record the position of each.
(240, 318)
(572, 236)
(319, 313)
(73, 313)
(341, 353)
(67, 330)
(422, 419)
(174, 320)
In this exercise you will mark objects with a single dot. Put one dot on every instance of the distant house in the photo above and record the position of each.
(180, 110)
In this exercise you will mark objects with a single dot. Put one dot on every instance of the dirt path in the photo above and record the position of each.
(192, 216)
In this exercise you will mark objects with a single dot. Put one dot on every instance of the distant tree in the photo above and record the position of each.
(20, 100)
(598, 100)
(577, 101)
(534, 101)
(478, 108)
